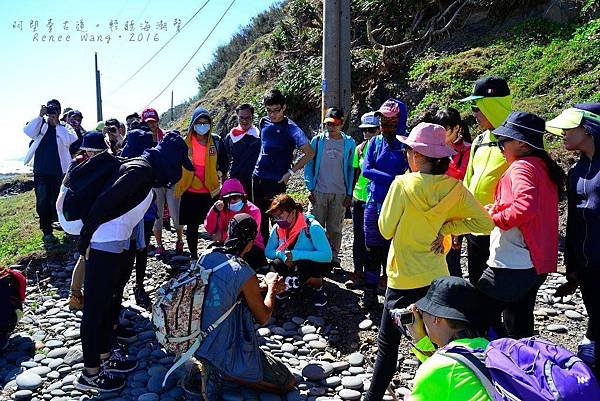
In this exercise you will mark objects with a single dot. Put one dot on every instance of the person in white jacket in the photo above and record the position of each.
(50, 156)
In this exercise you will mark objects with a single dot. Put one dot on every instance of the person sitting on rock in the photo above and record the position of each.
(233, 201)
(231, 350)
(446, 316)
(298, 247)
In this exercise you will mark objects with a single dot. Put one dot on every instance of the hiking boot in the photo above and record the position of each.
(159, 252)
(179, 248)
(118, 363)
(125, 335)
(369, 298)
(142, 298)
(319, 297)
(102, 381)
(76, 301)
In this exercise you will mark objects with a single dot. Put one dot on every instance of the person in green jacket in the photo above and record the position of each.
(491, 103)
(446, 316)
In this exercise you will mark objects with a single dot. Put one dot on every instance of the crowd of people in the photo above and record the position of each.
(414, 196)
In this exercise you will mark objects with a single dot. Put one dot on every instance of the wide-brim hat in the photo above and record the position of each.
(573, 117)
(428, 140)
(93, 141)
(524, 127)
(452, 298)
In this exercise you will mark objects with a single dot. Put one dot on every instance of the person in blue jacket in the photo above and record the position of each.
(329, 177)
(298, 248)
(581, 127)
(385, 160)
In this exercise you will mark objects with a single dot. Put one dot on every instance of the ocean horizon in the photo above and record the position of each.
(13, 167)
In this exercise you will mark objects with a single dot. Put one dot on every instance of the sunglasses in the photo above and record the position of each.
(502, 142)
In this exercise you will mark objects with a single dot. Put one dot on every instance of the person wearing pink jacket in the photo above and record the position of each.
(234, 201)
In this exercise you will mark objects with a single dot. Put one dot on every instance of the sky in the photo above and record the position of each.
(35, 69)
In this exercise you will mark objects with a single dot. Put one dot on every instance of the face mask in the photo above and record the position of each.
(201, 129)
(283, 223)
(237, 206)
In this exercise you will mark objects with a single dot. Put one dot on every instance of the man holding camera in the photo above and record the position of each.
(49, 150)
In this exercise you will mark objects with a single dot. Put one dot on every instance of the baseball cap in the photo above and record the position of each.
(369, 120)
(573, 117)
(389, 108)
(149, 114)
(334, 115)
(492, 86)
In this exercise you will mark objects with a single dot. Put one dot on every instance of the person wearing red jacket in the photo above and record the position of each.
(524, 243)
(234, 201)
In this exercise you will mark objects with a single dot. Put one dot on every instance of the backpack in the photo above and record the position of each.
(12, 295)
(531, 369)
(85, 182)
(177, 312)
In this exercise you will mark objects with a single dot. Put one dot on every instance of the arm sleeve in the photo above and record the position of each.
(322, 252)
(65, 134)
(470, 217)
(370, 170)
(32, 128)
(310, 165)
(271, 247)
(392, 210)
(210, 222)
(525, 194)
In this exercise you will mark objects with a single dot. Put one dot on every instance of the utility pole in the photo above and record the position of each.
(98, 90)
(336, 56)
(172, 116)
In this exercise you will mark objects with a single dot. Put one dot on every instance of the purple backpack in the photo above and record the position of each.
(530, 369)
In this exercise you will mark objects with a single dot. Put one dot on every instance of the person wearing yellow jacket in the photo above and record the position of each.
(491, 103)
(421, 211)
(198, 188)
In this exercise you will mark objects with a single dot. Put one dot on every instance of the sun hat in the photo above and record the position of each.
(369, 120)
(491, 86)
(94, 142)
(452, 298)
(524, 127)
(429, 140)
(573, 117)
(232, 187)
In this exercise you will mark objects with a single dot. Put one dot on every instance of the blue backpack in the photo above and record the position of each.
(529, 369)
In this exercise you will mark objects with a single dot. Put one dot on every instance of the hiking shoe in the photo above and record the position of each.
(118, 363)
(320, 298)
(159, 252)
(179, 248)
(369, 298)
(102, 381)
(76, 302)
(142, 298)
(125, 335)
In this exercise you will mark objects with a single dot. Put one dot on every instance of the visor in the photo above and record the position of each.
(569, 118)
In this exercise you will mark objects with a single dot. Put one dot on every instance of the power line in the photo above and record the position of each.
(193, 55)
(161, 48)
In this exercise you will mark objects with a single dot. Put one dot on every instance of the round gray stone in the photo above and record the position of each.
(340, 366)
(317, 391)
(310, 337)
(40, 370)
(352, 382)
(317, 371)
(365, 324)
(574, 315)
(58, 352)
(332, 381)
(263, 331)
(298, 320)
(356, 359)
(557, 328)
(318, 345)
(269, 397)
(287, 347)
(347, 394)
(307, 330)
(356, 370)
(23, 395)
(28, 381)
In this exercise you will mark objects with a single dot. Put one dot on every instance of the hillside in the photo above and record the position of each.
(550, 57)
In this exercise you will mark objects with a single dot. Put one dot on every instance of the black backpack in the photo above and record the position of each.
(85, 182)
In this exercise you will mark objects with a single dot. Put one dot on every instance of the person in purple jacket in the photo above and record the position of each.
(384, 161)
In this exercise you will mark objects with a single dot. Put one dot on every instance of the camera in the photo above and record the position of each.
(402, 317)
(51, 109)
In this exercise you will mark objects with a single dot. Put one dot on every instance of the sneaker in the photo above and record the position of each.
(125, 335)
(159, 252)
(102, 381)
(369, 298)
(179, 248)
(76, 302)
(56, 226)
(118, 363)
(320, 298)
(142, 298)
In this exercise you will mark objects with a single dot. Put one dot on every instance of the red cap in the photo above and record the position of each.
(149, 114)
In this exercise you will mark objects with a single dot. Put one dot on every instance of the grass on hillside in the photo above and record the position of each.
(20, 236)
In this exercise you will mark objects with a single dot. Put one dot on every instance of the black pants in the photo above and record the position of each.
(478, 251)
(263, 192)
(101, 281)
(47, 188)
(453, 260)
(256, 257)
(388, 340)
(192, 212)
(375, 263)
(303, 269)
(125, 268)
(359, 250)
(511, 295)
(590, 293)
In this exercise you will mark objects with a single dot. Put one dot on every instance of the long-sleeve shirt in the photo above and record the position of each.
(316, 248)
(384, 161)
(217, 222)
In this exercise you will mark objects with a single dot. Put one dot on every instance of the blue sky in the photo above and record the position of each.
(33, 71)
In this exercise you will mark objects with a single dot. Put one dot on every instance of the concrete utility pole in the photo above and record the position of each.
(98, 91)
(336, 56)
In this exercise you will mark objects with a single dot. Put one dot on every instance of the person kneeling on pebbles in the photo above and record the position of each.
(298, 248)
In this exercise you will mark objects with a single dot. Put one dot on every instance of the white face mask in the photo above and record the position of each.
(201, 129)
